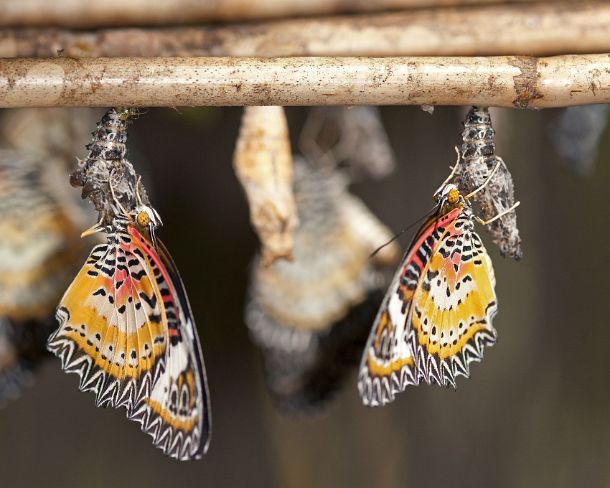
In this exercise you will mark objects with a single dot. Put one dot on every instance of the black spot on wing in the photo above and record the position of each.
(151, 301)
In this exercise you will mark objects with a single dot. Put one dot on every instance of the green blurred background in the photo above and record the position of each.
(535, 413)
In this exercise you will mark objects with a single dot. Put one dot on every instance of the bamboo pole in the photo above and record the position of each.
(537, 29)
(77, 13)
(512, 81)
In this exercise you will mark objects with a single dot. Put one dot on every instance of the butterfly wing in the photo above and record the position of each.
(388, 365)
(112, 325)
(177, 413)
(126, 328)
(453, 305)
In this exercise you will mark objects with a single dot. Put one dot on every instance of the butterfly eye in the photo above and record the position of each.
(453, 196)
(142, 219)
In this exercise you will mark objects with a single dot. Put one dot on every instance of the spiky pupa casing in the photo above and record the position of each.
(106, 165)
(478, 160)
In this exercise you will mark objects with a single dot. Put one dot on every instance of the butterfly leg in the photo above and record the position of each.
(493, 171)
(114, 198)
(94, 229)
(501, 214)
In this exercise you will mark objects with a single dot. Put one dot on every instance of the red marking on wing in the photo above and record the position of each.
(152, 254)
(428, 228)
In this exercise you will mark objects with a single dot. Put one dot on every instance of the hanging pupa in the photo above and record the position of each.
(351, 137)
(576, 134)
(477, 161)
(263, 165)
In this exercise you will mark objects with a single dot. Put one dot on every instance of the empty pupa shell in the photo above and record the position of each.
(478, 160)
(263, 165)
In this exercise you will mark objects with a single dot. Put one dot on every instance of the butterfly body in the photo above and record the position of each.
(436, 316)
(127, 329)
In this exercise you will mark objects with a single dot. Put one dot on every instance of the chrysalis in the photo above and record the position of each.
(263, 165)
(352, 137)
(575, 136)
(477, 160)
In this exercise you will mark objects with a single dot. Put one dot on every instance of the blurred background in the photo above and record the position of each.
(535, 412)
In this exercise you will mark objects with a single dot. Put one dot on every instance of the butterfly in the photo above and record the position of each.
(127, 330)
(436, 317)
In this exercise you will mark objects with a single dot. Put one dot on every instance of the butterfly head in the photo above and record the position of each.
(146, 218)
(449, 195)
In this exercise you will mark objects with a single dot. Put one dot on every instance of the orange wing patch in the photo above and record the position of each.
(387, 364)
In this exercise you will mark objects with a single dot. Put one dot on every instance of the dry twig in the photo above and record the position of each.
(76, 13)
(511, 81)
(537, 29)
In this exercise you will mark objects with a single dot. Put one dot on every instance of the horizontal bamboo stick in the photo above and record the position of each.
(79, 13)
(536, 29)
(510, 81)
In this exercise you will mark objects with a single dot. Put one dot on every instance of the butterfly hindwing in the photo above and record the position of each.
(177, 412)
(388, 364)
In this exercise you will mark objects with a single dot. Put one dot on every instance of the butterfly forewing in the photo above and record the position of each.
(111, 329)
(453, 306)
(436, 316)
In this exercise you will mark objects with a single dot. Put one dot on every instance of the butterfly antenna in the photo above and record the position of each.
(403, 231)
(138, 197)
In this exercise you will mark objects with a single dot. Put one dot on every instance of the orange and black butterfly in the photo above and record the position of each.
(436, 317)
(127, 329)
